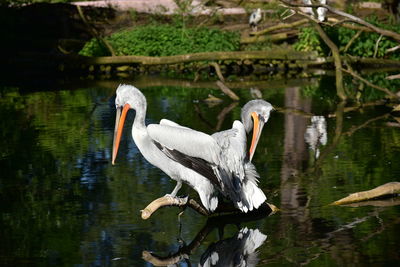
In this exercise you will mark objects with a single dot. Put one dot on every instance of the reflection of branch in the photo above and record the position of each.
(390, 202)
(221, 116)
(225, 111)
(355, 75)
(294, 111)
(356, 128)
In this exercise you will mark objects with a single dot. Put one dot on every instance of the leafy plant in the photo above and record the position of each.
(362, 46)
(164, 40)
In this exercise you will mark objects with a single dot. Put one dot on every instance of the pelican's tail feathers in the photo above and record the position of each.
(252, 196)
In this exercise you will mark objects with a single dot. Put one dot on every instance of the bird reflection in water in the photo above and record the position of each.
(240, 250)
(316, 134)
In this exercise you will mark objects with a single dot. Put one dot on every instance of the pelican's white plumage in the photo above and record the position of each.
(209, 164)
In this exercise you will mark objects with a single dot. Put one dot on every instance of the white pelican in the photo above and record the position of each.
(209, 164)
(255, 18)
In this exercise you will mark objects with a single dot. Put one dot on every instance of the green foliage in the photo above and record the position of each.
(164, 40)
(309, 40)
(363, 46)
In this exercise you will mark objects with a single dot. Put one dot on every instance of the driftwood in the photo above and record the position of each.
(392, 188)
(393, 77)
(187, 202)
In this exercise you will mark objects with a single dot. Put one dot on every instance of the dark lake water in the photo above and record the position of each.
(63, 203)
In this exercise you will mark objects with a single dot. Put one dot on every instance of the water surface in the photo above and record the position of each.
(64, 204)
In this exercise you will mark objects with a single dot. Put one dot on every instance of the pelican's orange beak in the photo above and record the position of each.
(119, 126)
(257, 129)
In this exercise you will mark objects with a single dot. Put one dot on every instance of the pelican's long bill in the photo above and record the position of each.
(258, 125)
(119, 126)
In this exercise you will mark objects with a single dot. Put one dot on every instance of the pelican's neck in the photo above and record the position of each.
(140, 117)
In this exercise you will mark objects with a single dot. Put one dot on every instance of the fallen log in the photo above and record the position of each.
(203, 56)
(387, 189)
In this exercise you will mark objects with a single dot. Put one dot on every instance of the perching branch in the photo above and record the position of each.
(171, 201)
(191, 203)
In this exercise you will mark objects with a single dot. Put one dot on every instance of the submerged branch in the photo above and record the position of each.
(225, 89)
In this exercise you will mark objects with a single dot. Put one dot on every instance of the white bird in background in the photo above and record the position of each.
(209, 164)
(316, 134)
(321, 11)
(255, 18)
(237, 251)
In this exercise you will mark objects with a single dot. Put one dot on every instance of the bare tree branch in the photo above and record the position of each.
(350, 17)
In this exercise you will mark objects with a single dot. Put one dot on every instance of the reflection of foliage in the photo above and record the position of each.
(164, 40)
(369, 93)
(363, 46)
